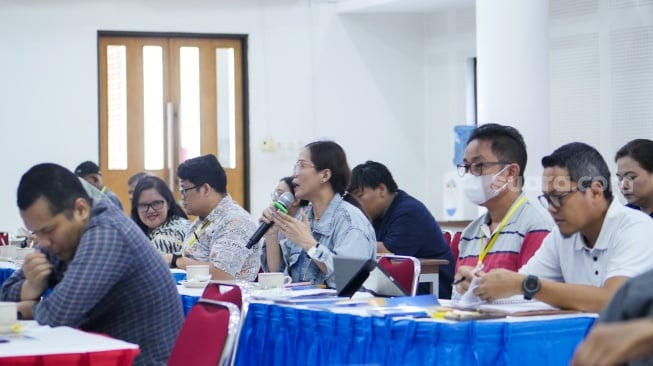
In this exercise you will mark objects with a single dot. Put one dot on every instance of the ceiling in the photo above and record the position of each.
(398, 6)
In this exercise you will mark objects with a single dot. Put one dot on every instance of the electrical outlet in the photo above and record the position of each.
(268, 145)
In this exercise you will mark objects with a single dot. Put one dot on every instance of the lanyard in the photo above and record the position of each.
(197, 232)
(103, 189)
(504, 222)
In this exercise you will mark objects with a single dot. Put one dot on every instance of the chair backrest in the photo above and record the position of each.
(453, 245)
(404, 269)
(234, 296)
(447, 236)
(208, 335)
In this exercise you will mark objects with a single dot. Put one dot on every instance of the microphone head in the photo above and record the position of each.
(286, 199)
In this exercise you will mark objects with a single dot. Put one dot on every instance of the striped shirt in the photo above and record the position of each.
(516, 243)
(169, 237)
(116, 284)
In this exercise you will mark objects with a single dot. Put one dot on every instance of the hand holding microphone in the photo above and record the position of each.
(286, 200)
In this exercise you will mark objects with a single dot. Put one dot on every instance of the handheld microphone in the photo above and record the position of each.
(286, 200)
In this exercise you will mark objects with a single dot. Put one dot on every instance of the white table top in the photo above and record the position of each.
(10, 265)
(38, 340)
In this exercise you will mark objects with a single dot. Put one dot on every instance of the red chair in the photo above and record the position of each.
(447, 237)
(208, 335)
(234, 296)
(453, 245)
(404, 269)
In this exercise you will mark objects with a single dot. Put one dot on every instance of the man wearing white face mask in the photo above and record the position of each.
(512, 229)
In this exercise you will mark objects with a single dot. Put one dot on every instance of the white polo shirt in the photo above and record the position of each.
(624, 248)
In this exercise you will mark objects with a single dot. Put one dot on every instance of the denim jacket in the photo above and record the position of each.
(342, 230)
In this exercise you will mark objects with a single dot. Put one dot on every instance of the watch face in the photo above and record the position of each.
(531, 283)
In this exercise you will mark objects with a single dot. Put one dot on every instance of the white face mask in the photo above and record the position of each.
(478, 189)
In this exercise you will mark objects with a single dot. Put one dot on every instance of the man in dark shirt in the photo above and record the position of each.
(104, 274)
(90, 172)
(403, 225)
(624, 332)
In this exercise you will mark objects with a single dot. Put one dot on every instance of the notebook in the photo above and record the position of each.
(353, 273)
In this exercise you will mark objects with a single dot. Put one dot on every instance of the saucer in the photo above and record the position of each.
(194, 284)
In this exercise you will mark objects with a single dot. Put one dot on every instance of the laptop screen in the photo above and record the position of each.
(353, 273)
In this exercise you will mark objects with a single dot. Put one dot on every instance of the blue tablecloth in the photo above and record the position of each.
(5, 273)
(278, 335)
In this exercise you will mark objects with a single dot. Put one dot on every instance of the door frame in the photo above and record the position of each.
(243, 39)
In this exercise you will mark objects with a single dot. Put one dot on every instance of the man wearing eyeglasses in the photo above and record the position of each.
(220, 233)
(597, 245)
(512, 229)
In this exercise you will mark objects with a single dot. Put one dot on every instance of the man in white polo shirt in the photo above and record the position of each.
(597, 246)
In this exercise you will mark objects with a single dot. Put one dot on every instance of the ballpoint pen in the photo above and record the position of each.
(463, 278)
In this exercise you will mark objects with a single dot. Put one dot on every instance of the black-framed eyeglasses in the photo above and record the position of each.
(185, 190)
(554, 200)
(155, 205)
(477, 168)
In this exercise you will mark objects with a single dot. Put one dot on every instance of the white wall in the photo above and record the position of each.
(357, 79)
(388, 87)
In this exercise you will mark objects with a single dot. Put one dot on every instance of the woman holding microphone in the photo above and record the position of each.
(333, 224)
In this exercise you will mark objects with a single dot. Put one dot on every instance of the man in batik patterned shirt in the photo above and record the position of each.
(220, 233)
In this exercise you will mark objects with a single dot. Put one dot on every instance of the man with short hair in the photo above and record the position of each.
(104, 274)
(598, 243)
(512, 229)
(219, 235)
(133, 181)
(91, 173)
(403, 225)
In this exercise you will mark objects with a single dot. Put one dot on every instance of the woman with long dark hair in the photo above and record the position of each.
(155, 211)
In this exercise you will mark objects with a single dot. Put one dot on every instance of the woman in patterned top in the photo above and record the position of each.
(155, 211)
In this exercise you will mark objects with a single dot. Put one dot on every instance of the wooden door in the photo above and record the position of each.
(166, 99)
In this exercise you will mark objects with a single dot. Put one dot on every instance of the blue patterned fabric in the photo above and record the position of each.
(276, 335)
(117, 284)
(5, 273)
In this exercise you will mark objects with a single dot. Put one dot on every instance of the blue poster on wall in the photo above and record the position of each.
(461, 135)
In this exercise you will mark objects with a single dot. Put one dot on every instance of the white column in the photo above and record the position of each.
(513, 74)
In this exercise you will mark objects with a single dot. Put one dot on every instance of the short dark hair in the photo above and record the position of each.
(58, 185)
(136, 177)
(162, 188)
(507, 143)
(584, 165)
(204, 169)
(372, 174)
(640, 150)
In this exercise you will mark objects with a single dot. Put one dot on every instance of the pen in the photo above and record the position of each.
(463, 278)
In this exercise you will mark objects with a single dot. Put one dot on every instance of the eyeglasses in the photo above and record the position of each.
(477, 168)
(554, 200)
(301, 165)
(185, 190)
(154, 205)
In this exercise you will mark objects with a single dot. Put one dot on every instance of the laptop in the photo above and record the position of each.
(351, 274)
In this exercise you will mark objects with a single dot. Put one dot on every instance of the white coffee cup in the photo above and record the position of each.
(7, 251)
(273, 279)
(8, 315)
(198, 272)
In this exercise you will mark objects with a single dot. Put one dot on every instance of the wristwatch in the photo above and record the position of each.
(313, 251)
(531, 285)
(173, 261)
